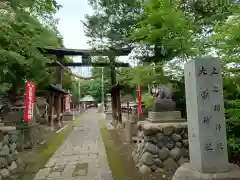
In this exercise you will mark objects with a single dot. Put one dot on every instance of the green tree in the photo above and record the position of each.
(112, 22)
(21, 33)
(226, 41)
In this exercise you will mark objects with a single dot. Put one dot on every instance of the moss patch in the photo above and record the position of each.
(115, 159)
(52, 143)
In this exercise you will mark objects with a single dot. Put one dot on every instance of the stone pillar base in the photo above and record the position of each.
(161, 145)
(32, 135)
(186, 172)
(68, 117)
(165, 117)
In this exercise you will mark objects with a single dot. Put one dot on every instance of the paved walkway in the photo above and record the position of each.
(81, 157)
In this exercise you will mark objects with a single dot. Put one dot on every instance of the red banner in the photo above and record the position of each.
(67, 102)
(29, 101)
(139, 101)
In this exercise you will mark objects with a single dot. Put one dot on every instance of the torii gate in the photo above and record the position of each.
(86, 61)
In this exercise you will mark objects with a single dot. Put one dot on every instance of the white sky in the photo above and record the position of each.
(70, 15)
(72, 30)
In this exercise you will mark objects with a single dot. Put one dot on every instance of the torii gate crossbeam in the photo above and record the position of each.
(111, 53)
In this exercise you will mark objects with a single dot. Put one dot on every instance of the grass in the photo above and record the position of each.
(51, 145)
(115, 160)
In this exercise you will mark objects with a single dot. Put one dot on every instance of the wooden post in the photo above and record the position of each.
(114, 105)
(60, 59)
(119, 109)
(62, 108)
(52, 106)
(128, 110)
(58, 108)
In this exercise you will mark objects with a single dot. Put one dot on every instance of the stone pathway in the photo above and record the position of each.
(81, 157)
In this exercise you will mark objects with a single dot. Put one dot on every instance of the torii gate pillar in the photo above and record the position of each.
(60, 58)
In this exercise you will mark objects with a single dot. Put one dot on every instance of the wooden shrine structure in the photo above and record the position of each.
(116, 106)
(86, 61)
(56, 101)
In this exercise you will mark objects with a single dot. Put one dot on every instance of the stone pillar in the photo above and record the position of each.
(101, 108)
(134, 120)
(128, 131)
(134, 114)
(206, 124)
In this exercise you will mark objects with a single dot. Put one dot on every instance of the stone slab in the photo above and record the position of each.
(42, 174)
(54, 175)
(187, 172)
(68, 171)
(7, 128)
(205, 115)
(164, 115)
(51, 163)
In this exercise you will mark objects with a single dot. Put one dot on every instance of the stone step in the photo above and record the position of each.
(7, 128)
(166, 120)
(166, 114)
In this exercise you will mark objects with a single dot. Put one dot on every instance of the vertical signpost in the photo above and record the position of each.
(206, 120)
(28, 114)
(29, 101)
(67, 102)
